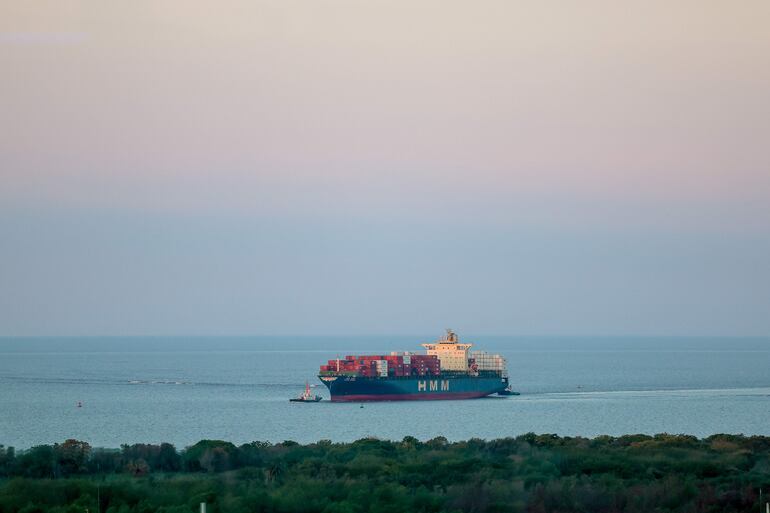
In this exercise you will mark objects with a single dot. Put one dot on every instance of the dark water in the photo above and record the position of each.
(181, 390)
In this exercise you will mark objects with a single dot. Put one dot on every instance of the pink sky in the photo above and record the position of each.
(576, 116)
(650, 100)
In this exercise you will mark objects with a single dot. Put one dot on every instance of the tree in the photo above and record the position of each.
(210, 455)
(138, 468)
(168, 459)
(72, 456)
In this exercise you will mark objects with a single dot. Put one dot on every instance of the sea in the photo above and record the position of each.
(110, 391)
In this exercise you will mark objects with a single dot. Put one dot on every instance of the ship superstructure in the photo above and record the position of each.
(447, 370)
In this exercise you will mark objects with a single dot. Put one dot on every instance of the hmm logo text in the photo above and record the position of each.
(423, 386)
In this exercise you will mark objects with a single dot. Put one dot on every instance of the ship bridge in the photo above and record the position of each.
(452, 354)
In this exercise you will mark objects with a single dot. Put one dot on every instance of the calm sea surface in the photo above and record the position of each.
(181, 390)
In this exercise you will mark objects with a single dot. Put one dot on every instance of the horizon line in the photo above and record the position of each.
(317, 335)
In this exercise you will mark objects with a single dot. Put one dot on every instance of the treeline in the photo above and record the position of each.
(529, 473)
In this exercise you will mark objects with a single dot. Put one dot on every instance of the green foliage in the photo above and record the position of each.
(530, 473)
(210, 456)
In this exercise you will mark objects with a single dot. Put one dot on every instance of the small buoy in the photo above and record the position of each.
(80, 404)
(361, 406)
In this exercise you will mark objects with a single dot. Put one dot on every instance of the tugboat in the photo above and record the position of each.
(508, 391)
(306, 396)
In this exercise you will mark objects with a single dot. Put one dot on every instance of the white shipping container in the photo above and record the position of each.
(487, 361)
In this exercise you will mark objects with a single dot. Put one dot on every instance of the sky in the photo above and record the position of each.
(385, 167)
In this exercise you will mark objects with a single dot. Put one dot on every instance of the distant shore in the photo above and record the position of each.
(526, 473)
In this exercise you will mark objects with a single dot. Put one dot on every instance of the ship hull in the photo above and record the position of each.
(433, 388)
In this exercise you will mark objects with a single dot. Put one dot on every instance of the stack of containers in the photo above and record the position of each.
(488, 361)
(399, 364)
(425, 365)
(383, 366)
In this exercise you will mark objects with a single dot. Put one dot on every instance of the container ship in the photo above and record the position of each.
(447, 369)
